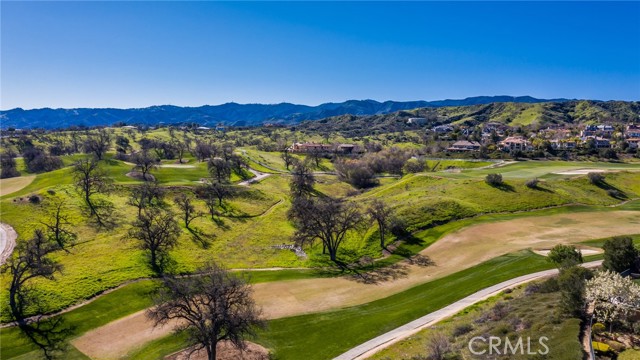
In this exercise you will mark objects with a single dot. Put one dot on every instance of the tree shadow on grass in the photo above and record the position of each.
(611, 190)
(504, 187)
(201, 238)
(220, 223)
(383, 274)
(540, 188)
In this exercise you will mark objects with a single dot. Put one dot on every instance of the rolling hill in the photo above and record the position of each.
(516, 114)
(230, 113)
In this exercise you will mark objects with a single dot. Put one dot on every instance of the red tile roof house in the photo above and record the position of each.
(464, 146)
(324, 148)
(308, 147)
(515, 143)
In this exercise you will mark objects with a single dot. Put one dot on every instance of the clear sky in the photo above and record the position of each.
(137, 54)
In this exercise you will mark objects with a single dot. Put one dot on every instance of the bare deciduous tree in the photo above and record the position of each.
(31, 261)
(157, 232)
(181, 148)
(187, 208)
(302, 181)
(381, 214)
(210, 307)
(57, 223)
(325, 219)
(146, 195)
(145, 162)
(90, 180)
(98, 143)
(287, 158)
(219, 169)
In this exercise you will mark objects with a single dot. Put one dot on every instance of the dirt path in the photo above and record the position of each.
(385, 340)
(456, 251)
(8, 238)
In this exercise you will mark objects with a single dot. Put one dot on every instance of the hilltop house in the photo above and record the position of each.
(598, 142)
(589, 130)
(632, 131)
(464, 146)
(606, 129)
(324, 148)
(634, 143)
(514, 143)
(442, 129)
(416, 121)
(563, 144)
(310, 147)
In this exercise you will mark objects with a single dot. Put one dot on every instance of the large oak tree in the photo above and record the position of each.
(211, 306)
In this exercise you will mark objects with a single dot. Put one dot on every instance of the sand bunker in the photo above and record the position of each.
(580, 171)
(585, 251)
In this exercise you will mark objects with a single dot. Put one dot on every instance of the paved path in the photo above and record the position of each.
(374, 345)
(259, 176)
(8, 238)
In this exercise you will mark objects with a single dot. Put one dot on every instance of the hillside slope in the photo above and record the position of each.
(230, 113)
(510, 113)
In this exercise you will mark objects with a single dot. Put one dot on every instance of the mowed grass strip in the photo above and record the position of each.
(328, 334)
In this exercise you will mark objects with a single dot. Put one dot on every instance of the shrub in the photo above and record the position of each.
(398, 226)
(565, 256)
(462, 329)
(548, 286)
(494, 179)
(34, 199)
(532, 183)
(413, 166)
(595, 178)
(598, 328)
(356, 173)
(619, 253)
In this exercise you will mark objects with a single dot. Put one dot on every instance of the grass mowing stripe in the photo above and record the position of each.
(328, 334)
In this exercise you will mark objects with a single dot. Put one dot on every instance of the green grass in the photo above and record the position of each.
(256, 220)
(104, 259)
(121, 302)
(441, 165)
(325, 335)
(600, 242)
(629, 355)
(424, 200)
(542, 169)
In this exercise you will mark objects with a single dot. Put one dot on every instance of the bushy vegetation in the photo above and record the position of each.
(524, 312)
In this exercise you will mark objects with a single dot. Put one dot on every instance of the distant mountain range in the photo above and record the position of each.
(230, 113)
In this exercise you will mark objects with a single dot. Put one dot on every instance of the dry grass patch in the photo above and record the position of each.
(11, 185)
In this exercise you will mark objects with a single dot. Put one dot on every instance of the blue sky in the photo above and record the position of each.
(136, 54)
